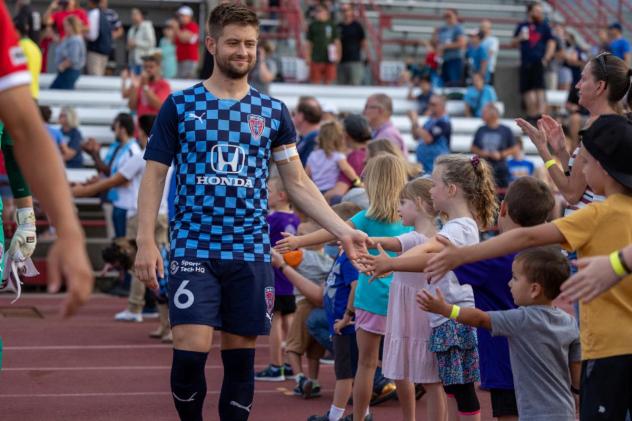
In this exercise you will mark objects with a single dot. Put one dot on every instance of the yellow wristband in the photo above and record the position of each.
(616, 264)
(548, 164)
(455, 312)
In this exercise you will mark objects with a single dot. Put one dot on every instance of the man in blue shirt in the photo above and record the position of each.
(452, 42)
(221, 135)
(619, 46)
(434, 136)
(537, 47)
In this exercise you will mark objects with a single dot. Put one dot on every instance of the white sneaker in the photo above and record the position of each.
(128, 316)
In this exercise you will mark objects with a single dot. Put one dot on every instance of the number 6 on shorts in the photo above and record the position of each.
(188, 295)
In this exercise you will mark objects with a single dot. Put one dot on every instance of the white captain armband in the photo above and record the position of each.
(285, 154)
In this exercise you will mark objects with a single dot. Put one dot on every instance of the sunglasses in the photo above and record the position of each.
(601, 60)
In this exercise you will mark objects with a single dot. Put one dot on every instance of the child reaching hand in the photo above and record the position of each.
(463, 189)
(325, 164)
(543, 340)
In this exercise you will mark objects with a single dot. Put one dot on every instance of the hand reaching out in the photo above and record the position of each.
(287, 244)
(377, 266)
(433, 304)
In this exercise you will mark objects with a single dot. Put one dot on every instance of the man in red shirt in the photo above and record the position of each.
(187, 50)
(67, 258)
(147, 92)
(59, 10)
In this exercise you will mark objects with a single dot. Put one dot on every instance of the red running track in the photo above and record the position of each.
(93, 368)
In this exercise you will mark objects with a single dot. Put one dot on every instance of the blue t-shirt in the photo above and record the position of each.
(441, 131)
(478, 99)
(306, 146)
(337, 291)
(373, 297)
(72, 138)
(496, 139)
(448, 35)
(221, 150)
(619, 47)
(282, 222)
(489, 280)
(533, 49)
(520, 168)
(55, 134)
(422, 101)
(476, 57)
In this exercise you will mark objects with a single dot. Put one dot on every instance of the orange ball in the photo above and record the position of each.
(293, 258)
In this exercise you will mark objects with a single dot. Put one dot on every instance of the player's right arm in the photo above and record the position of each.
(159, 155)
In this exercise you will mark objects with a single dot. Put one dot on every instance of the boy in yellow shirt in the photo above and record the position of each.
(597, 229)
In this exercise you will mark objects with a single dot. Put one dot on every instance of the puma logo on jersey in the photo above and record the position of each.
(194, 116)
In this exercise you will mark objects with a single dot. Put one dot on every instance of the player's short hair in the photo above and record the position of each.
(346, 210)
(146, 122)
(546, 266)
(529, 201)
(230, 14)
(310, 108)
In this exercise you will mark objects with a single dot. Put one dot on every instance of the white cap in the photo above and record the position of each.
(328, 107)
(185, 10)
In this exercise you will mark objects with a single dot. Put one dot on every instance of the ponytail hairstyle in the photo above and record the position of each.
(617, 76)
(418, 190)
(475, 178)
(384, 178)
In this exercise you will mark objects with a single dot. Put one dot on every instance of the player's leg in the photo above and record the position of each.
(238, 386)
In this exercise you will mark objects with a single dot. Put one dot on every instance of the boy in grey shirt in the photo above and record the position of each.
(543, 340)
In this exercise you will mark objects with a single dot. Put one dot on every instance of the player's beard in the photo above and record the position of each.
(231, 71)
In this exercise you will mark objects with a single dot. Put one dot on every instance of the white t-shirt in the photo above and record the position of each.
(132, 170)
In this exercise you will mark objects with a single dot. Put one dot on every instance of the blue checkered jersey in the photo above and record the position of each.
(221, 150)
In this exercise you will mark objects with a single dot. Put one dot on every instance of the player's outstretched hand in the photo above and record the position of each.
(355, 243)
(428, 302)
(287, 244)
(444, 261)
(148, 261)
(594, 277)
(68, 260)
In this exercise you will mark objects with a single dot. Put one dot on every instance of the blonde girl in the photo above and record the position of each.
(463, 190)
(325, 163)
(384, 178)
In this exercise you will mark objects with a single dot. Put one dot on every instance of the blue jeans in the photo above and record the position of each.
(119, 219)
(66, 79)
(318, 328)
(452, 72)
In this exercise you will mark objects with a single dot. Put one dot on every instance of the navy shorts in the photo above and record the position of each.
(230, 295)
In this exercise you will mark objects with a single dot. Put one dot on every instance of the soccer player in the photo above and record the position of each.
(222, 134)
(67, 258)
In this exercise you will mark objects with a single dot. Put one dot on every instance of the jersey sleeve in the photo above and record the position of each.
(13, 65)
(507, 322)
(409, 240)
(286, 134)
(163, 141)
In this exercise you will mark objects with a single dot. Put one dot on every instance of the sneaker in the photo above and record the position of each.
(387, 391)
(328, 359)
(311, 389)
(128, 316)
(271, 374)
(150, 313)
(300, 380)
(319, 417)
(288, 372)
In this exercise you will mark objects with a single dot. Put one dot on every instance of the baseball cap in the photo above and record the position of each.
(609, 141)
(615, 25)
(328, 107)
(185, 11)
(357, 127)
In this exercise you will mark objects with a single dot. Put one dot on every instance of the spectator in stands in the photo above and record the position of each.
(478, 60)
(478, 96)
(434, 136)
(491, 44)
(28, 18)
(70, 145)
(145, 93)
(167, 46)
(187, 50)
(265, 70)
(378, 111)
(353, 43)
(113, 19)
(495, 143)
(59, 10)
(141, 40)
(518, 165)
(330, 111)
(307, 117)
(32, 53)
(452, 42)
(619, 46)
(603, 43)
(99, 38)
(422, 98)
(70, 55)
(53, 131)
(322, 47)
(537, 48)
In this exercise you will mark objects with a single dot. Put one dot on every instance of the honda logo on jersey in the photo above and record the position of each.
(257, 124)
(227, 159)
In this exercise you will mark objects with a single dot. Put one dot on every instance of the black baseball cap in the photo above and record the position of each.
(609, 141)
